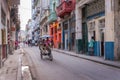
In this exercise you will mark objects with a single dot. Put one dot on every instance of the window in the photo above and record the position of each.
(65, 26)
(54, 5)
(55, 37)
(91, 26)
(55, 29)
(3, 17)
(73, 24)
(52, 31)
(8, 23)
(102, 23)
(46, 28)
(59, 27)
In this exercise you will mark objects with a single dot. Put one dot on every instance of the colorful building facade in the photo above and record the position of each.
(55, 30)
(65, 10)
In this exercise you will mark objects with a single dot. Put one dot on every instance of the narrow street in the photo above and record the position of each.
(84, 35)
(65, 67)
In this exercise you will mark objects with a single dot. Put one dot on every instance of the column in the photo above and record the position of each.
(117, 30)
(78, 29)
(62, 36)
(0, 39)
(0, 48)
(97, 39)
(54, 36)
(109, 30)
(69, 37)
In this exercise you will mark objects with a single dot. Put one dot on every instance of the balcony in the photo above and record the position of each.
(52, 17)
(65, 8)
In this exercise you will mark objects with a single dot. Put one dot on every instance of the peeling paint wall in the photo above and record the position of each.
(117, 28)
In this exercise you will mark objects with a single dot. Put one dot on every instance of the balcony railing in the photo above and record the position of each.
(65, 7)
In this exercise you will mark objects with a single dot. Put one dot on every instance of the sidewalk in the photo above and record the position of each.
(16, 67)
(100, 60)
(9, 71)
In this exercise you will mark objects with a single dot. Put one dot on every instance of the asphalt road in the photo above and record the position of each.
(65, 67)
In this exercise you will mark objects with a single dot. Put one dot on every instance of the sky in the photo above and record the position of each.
(25, 12)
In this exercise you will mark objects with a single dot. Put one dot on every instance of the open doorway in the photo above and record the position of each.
(102, 35)
(73, 41)
(4, 50)
(91, 30)
(102, 42)
(66, 41)
(84, 37)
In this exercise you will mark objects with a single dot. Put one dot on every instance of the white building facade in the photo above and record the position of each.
(97, 18)
(4, 25)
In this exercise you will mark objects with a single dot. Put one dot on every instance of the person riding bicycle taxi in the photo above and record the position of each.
(47, 42)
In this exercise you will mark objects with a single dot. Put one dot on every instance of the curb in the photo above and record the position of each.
(104, 63)
(22, 74)
(19, 74)
(31, 65)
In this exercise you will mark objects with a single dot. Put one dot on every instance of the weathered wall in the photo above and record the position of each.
(117, 28)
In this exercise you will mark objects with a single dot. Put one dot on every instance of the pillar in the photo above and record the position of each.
(117, 29)
(69, 37)
(78, 29)
(97, 39)
(62, 39)
(0, 39)
(109, 30)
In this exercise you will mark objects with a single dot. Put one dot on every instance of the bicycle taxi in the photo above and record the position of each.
(45, 47)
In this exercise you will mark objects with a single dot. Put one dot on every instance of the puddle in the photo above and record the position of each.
(26, 75)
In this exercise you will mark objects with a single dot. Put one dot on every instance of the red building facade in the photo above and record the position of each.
(65, 7)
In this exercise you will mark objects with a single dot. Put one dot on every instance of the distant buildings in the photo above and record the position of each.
(29, 29)
(22, 36)
(39, 18)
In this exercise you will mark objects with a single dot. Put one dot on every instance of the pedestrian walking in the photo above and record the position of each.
(33, 42)
(16, 44)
